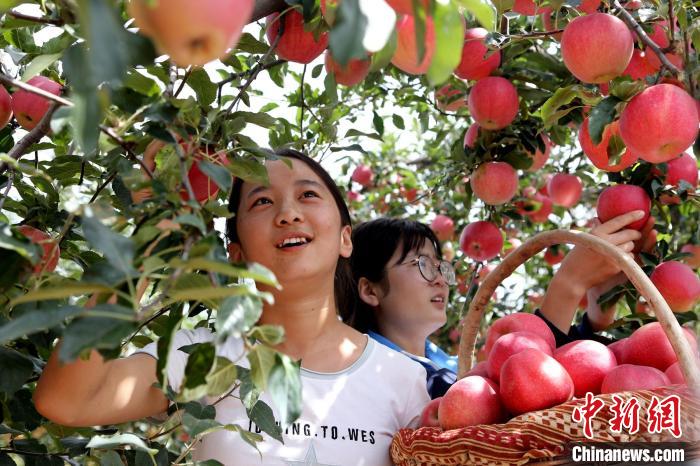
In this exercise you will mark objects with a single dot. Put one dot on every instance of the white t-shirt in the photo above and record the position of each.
(348, 417)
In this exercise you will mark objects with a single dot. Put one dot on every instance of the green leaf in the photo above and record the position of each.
(61, 290)
(347, 33)
(398, 121)
(110, 442)
(284, 387)
(601, 115)
(15, 368)
(196, 427)
(199, 363)
(449, 40)
(103, 332)
(262, 359)
(39, 64)
(381, 59)
(36, 320)
(141, 83)
(562, 96)
(268, 334)
(483, 11)
(248, 43)
(251, 171)
(8, 4)
(221, 377)
(261, 119)
(254, 271)
(111, 458)
(220, 175)
(261, 414)
(117, 249)
(200, 82)
(378, 123)
(237, 315)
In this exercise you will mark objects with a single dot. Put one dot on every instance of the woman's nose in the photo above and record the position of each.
(288, 213)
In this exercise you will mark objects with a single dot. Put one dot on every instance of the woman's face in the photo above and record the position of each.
(412, 300)
(292, 227)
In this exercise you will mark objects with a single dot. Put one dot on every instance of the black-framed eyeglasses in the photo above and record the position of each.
(429, 269)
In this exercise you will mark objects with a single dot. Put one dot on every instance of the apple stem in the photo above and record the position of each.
(631, 22)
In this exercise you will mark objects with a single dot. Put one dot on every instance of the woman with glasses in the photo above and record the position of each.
(402, 290)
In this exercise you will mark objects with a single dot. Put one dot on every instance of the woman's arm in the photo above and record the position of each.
(97, 392)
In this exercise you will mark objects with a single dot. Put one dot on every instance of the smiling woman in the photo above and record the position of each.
(298, 227)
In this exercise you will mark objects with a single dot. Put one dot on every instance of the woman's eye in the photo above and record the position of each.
(309, 194)
(260, 201)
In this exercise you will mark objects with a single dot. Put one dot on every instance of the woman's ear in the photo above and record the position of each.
(367, 292)
(346, 241)
(235, 254)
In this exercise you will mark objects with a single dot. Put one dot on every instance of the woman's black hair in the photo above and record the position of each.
(374, 243)
(344, 286)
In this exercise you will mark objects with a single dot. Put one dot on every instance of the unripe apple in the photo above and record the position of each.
(620, 199)
(639, 66)
(481, 240)
(540, 158)
(678, 284)
(694, 259)
(475, 65)
(471, 136)
(353, 73)
(659, 123)
(587, 362)
(519, 322)
(532, 380)
(564, 189)
(5, 107)
(493, 102)
(600, 154)
(406, 54)
(470, 401)
(649, 346)
(192, 33)
(30, 108)
(363, 175)
(510, 344)
(449, 98)
(627, 377)
(296, 44)
(495, 183)
(443, 226)
(49, 259)
(604, 33)
(404, 7)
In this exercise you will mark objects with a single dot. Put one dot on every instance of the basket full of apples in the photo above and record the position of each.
(529, 401)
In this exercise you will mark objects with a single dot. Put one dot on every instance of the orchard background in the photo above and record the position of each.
(95, 165)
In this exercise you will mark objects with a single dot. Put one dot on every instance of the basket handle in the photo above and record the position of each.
(633, 271)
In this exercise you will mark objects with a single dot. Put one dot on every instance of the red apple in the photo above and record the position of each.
(600, 154)
(527, 7)
(353, 73)
(443, 226)
(627, 377)
(694, 259)
(639, 67)
(471, 136)
(406, 54)
(541, 213)
(481, 368)
(564, 189)
(618, 349)
(683, 168)
(296, 44)
(49, 260)
(510, 344)
(655, 63)
(192, 33)
(354, 196)
(203, 187)
(404, 7)
(589, 6)
(495, 183)
(587, 362)
(532, 380)
(429, 416)
(675, 374)
(5, 107)
(363, 175)
(678, 284)
(554, 256)
(449, 98)
(475, 64)
(659, 123)
(481, 240)
(470, 401)
(620, 199)
(540, 158)
(604, 33)
(649, 346)
(518, 322)
(493, 102)
(30, 108)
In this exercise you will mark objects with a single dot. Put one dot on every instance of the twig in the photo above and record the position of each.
(184, 80)
(103, 186)
(125, 145)
(35, 19)
(536, 34)
(7, 190)
(689, 76)
(672, 21)
(243, 74)
(183, 169)
(32, 137)
(8, 81)
(632, 23)
(301, 113)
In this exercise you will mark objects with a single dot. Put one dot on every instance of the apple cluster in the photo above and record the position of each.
(523, 371)
(27, 107)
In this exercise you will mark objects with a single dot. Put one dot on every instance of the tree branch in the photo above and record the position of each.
(632, 23)
(125, 145)
(32, 137)
(35, 19)
(8, 81)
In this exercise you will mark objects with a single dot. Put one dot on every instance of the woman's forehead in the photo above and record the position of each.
(281, 174)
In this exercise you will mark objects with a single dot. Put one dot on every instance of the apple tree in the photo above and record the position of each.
(125, 123)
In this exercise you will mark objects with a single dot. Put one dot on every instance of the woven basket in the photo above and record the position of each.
(540, 437)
